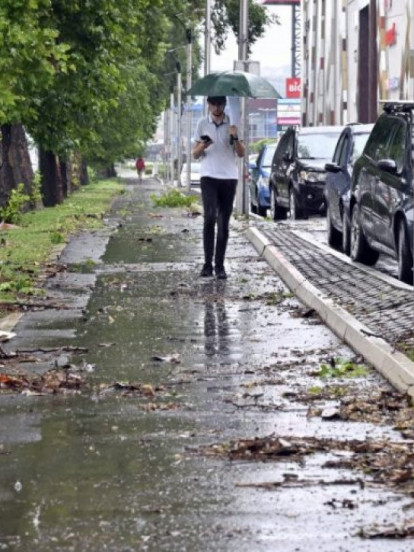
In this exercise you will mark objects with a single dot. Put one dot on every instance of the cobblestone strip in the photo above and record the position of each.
(388, 311)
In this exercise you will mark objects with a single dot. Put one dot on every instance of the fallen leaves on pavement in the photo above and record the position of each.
(52, 382)
(386, 462)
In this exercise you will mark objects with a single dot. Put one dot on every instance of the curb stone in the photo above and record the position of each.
(397, 368)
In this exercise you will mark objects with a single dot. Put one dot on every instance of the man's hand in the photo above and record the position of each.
(233, 131)
(200, 148)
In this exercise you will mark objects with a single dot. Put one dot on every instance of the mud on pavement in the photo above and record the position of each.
(149, 409)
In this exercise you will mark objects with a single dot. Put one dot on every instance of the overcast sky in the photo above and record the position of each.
(273, 50)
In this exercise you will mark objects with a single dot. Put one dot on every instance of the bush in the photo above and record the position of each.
(12, 211)
(173, 198)
(257, 146)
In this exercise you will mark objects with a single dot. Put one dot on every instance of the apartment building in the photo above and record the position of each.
(355, 52)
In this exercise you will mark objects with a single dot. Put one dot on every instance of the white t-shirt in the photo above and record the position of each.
(219, 160)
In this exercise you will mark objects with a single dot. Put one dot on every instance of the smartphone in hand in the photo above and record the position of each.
(206, 139)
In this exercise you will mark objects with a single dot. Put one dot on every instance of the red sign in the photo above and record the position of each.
(288, 121)
(293, 87)
(391, 36)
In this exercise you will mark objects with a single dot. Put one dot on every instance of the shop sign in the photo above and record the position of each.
(293, 87)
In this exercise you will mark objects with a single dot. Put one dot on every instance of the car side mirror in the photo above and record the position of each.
(332, 167)
(387, 165)
(287, 157)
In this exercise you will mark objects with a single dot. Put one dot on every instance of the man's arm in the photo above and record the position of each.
(238, 144)
(199, 148)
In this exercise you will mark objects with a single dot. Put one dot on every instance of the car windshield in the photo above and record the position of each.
(268, 156)
(317, 145)
(359, 144)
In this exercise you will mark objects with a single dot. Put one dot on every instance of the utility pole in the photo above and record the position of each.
(207, 39)
(189, 63)
(171, 139)
(241, 194)
(179, 140)
(207, 45)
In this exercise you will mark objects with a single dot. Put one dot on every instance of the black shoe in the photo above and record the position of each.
(221, 273)
(206, 271)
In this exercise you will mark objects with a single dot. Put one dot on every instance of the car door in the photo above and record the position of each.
(254, 175)
(367, 173)
(337, 182)
(279, 167)
(389, 186)
(286, 165)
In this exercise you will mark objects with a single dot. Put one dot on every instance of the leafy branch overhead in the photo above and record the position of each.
(226, 18)
(92, 76)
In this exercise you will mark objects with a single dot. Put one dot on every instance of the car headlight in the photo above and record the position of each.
(311, 176)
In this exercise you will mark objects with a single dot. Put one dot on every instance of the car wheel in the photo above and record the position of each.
(333, 236)
(276, 212)
(360, 250)
(346, 235)
(405, 258)
(294, 209)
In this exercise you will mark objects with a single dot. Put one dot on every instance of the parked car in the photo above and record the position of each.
(297, 177)
(338, 184)
(259, 180)
(382, 191)
(194, 175)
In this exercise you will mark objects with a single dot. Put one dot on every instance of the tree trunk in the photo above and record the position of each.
(20, 159)
(65, 173)
(15, 163)
(6, 171)
(110, 171)
(52, 187)
(84, 177)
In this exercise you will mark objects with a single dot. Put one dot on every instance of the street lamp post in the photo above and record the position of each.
(241, 195)
(171, 139)
(189, 52)
(179, 145)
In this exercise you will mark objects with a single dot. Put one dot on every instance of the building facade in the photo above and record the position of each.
(355, 53)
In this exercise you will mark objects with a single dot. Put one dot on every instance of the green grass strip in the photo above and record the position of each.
(26, 249)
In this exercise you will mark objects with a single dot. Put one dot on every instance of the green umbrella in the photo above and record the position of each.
(237, 83)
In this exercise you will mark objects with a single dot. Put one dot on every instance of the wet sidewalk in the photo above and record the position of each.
(371, 311)
(202, 423)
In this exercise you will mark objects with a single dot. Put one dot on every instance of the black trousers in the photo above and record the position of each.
(218, 197)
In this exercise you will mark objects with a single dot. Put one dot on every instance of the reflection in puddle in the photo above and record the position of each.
(216, 328)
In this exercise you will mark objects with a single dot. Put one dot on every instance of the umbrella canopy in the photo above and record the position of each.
(237, 83)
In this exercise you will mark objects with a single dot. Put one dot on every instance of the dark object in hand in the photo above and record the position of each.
(206, 138)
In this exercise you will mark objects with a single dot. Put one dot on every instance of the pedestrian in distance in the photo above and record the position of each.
(217, 145)
(140, 166)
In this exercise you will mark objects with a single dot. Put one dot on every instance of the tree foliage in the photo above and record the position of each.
(226, 18)
(29, 56)
(92, 76)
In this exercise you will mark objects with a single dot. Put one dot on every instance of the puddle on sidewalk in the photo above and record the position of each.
(124, 467)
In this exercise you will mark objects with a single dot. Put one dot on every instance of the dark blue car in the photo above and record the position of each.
(259, 180)
(338, 184)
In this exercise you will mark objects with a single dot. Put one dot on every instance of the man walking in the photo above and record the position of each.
(217, 145)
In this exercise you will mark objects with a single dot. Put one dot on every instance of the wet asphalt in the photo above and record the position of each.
(176, 367)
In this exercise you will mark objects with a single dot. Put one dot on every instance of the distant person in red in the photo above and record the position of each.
(140, 166)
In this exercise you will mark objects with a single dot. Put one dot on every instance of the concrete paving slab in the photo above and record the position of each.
(393, 365)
